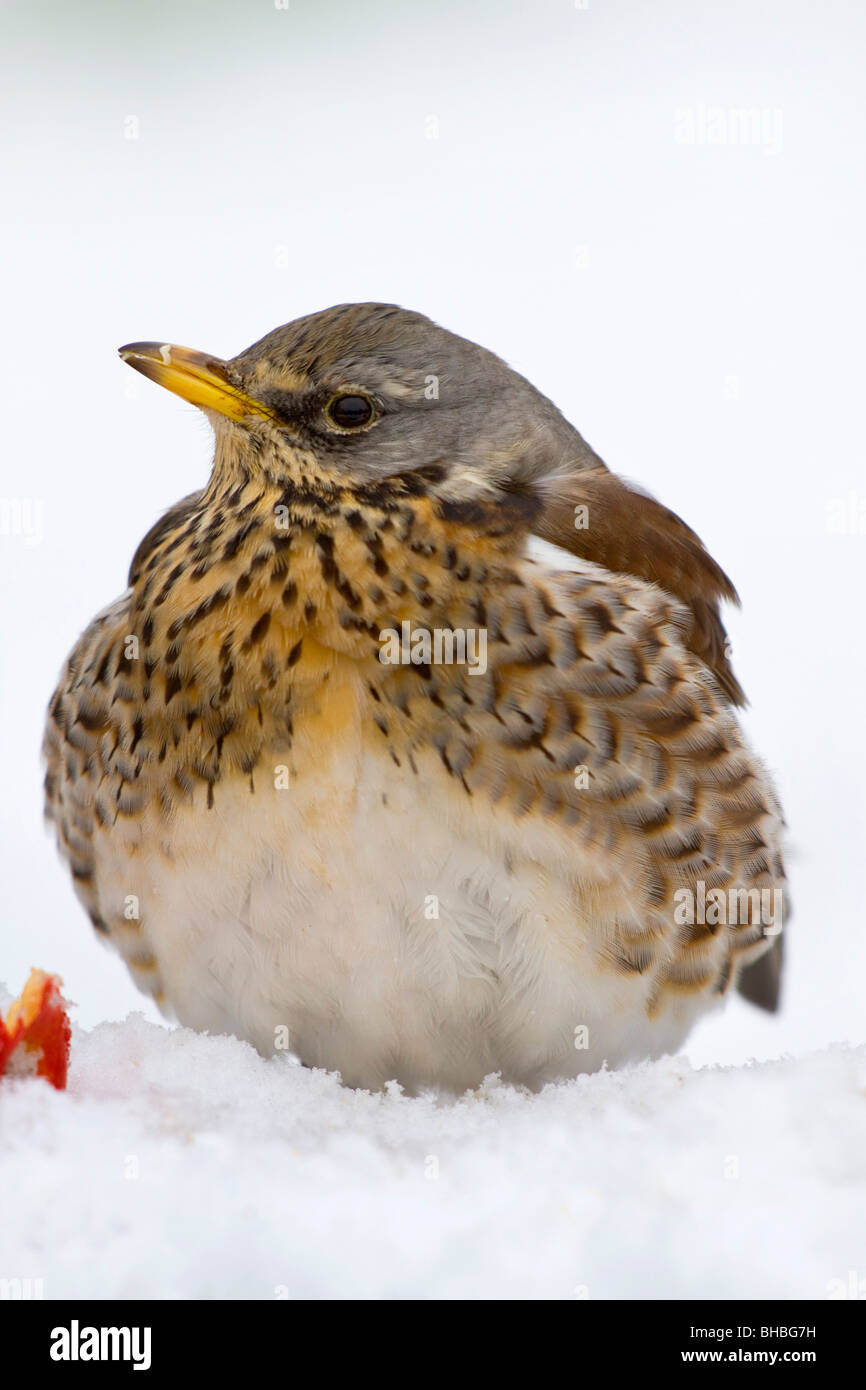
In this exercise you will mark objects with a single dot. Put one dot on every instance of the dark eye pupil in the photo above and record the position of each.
(350, 411)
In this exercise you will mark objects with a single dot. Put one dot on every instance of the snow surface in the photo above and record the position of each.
(181, 1165)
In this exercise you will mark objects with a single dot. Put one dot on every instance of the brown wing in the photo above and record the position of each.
(78, 721)
(167, 523)
(629, 532)
(84, 782)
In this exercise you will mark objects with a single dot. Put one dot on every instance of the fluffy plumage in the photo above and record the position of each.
(426, 872)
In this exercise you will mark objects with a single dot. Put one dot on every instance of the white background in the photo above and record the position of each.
(522, 173)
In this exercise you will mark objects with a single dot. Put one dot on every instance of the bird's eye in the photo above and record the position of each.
(350, 412)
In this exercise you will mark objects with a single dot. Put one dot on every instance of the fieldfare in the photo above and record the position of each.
(357, 768)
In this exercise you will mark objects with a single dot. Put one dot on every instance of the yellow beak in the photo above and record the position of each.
(200, 379)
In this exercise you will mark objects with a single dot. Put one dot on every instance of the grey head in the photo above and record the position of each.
(438, 401)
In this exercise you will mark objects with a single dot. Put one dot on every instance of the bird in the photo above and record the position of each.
(412, 748)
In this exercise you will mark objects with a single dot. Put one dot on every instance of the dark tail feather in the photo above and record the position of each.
(761, 982)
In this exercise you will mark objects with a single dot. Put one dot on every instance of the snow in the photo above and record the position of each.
(184, 1165)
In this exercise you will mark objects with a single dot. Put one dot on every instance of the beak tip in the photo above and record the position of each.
(147, 350)
(194, 376)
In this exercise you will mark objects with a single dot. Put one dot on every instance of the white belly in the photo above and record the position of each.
(385, 926)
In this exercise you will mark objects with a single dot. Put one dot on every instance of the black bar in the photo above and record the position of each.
(265, 1337)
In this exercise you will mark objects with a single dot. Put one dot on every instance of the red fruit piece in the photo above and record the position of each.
(35, 1037)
